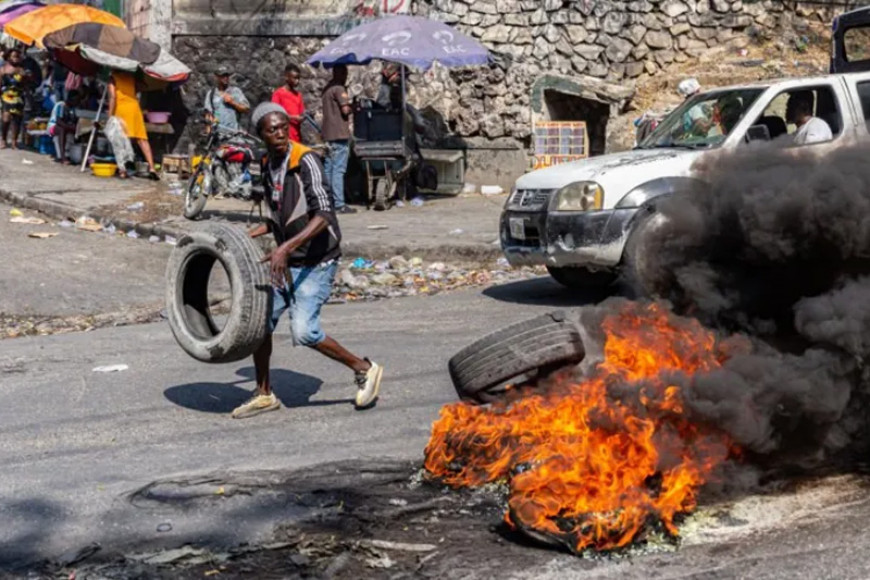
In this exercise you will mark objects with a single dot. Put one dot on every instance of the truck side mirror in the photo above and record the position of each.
(757, 133)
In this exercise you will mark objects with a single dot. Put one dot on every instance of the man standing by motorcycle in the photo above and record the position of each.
(303, 265)
(224, 103)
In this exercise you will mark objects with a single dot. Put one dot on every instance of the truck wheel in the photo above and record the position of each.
(641, 272)
(187, 305)
(581, 278)
(196, 195)
(480, 370)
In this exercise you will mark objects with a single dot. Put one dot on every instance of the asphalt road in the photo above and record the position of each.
(75, 272)
(74, 442)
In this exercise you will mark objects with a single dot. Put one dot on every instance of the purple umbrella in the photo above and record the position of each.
(409, 40)
(17, 10)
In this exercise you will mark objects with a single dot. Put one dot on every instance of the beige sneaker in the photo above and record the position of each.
(256, 405)
(368, 384)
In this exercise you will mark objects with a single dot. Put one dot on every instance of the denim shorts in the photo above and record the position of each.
(305, 294)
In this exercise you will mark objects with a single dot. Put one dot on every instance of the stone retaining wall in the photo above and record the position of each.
(597, 48)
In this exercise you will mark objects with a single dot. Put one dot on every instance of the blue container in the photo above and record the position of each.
(46, 145)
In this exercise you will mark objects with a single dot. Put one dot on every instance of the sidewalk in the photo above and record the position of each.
(463, 227)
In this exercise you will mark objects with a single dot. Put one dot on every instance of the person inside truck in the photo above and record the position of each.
(810, 129)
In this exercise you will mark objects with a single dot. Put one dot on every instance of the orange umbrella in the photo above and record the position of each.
(32, 27)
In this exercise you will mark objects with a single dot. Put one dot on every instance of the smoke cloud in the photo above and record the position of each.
(774, 244)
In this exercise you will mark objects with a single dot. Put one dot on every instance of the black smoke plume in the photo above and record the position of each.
(774, 244)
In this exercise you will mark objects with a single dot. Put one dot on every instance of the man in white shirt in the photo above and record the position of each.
(810, 129)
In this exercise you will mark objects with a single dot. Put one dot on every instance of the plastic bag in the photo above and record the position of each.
(121, 146)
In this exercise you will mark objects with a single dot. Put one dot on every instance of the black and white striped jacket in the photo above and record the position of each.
(306, 194)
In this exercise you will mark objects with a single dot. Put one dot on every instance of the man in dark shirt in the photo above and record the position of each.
(336, 132)
(303, 265)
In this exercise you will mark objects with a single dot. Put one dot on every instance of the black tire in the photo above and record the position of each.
(187, 307)
(195, 196)
(640, 269)
(480, 370)
(581, 278)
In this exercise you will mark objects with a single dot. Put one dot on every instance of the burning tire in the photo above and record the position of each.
(480, 370)
(190, 316)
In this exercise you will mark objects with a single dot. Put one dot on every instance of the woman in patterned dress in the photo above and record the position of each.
(12, 85)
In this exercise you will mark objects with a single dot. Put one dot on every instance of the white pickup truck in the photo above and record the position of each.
(579, 219)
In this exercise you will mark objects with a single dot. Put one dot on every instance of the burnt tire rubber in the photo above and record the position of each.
(195, 196)
(479, 370)
(581, 278)
(187, 303)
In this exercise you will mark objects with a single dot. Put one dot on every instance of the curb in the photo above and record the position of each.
(444, 252)
(61, 211)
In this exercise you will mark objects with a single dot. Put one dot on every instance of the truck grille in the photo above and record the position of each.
(530, 199)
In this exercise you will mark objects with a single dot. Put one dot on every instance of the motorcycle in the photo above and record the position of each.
(223, 170)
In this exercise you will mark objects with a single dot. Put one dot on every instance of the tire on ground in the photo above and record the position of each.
(481, 368)
(580, 278)
(187, 305)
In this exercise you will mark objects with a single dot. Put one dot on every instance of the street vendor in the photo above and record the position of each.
(14, 81)
(390, 94)
(62, 124)
(304, 263)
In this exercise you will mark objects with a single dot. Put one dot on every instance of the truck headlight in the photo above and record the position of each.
(579, 196)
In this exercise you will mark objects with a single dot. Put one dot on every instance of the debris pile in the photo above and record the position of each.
(371, 280)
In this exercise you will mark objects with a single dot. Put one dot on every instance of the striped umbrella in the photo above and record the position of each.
(32, 27)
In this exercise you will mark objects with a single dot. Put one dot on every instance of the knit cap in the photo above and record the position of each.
(264, 109)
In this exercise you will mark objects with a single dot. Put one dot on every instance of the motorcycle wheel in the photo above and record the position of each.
(196, 195)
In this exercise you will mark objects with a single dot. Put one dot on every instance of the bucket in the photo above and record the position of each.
(76, 153)
(101, 147)
(46, 145)
(104, 169)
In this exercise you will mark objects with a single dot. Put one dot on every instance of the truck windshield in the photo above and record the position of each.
(703, 121)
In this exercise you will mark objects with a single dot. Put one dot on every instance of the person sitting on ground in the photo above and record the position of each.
(224, 103)
(124, 104)
(303, 265)
(810, 129)
(289, 97)
(62, 123)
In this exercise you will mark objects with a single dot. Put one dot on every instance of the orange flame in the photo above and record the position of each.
(591, 462)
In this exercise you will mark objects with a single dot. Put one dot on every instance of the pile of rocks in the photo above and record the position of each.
(398, 276)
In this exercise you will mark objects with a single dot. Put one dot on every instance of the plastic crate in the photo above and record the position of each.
(561, 139)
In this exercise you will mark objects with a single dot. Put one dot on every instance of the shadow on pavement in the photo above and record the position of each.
(545, 291)
(292, 389)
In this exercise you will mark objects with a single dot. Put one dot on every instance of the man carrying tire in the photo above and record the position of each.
(303, 265)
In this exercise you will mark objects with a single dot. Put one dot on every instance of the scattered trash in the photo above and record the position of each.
(136, 206)
(398, 501)
(416, 262)
(400, 203)
(111, 368)
(164, 527)
(381, 561)
(457, 232)
(170, 240)
(176, 555)
(469, 188)
(502, 263)
(361, 263)
(88, 224)
(132, 234)
(27, 220)
(400, 546)
(491, 190)
(437, 267)
(66, 224)
(212, 572)
(743, 52)
(379, 227)
(41, 235)
(175, 188)
(398, 262)
(27, 162)
(417, 201)
(14, 212)
(154, 239)
(220, 491)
